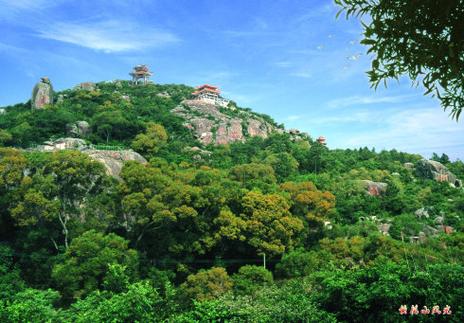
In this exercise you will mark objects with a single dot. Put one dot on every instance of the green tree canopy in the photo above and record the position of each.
(421, 39)
(87, 260)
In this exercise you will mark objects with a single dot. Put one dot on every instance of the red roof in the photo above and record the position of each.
(207, 88)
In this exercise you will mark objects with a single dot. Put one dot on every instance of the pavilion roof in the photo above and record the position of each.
(206, 88)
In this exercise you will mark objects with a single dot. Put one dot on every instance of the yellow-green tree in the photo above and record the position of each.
(58, 190)
(265, 223)
(207, 284)
(152, 140)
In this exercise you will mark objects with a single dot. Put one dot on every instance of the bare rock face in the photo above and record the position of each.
(203, 129)
(437, 171)
(63, 143)
(257, 128)
(374, 188)
(384, 228)
(78, 129)
(221, 135)
(42, 94)
(114, 160)
(229, 132)
(422, 212)
(211, 126)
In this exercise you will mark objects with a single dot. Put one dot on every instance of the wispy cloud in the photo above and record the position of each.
(363, 100)
(283, 64)
(421, 130)
(25, 4)
(302, 74)
(11, 49)
(108, 36)
(12, 9)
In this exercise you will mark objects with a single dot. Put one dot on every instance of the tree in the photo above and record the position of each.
(316, 158)
(311, 205)
(300, 263)
(444, 159)
(284, 164)
(88, 260)
(22, 134)
(59, 190)
(5, 137)
(250, 173)
(10, 278)
(113, 124)
(288, 303)
(421, 39)
(12, 168)
(31, 305)
(249, 278)
(265, 223)
(207, 284)
(141, 302)
(373, 293)
(152, 140)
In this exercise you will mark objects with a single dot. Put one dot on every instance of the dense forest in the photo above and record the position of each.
(269, 229)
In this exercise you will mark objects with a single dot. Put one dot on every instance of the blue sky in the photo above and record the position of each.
(291, 59)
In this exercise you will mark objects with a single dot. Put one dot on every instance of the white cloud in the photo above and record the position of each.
(108, 36)
(363, 100)
(415, 130)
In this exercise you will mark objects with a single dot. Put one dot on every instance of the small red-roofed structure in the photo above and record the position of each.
(206, 88)
(322, 140)
(210, 94)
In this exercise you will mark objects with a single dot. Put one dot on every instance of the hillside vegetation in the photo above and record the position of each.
(346, 235)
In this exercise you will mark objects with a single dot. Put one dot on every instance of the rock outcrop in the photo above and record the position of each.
(42, 93)
(78, 129)
(211, 126)
(384, 228)
(437, 171)
(113, 160)
(422, 212)
(63, 143)
(374, 188)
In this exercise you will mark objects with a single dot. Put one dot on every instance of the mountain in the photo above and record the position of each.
(165, 203)
(113, 113)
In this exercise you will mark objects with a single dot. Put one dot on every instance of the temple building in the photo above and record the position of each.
(321, 140)
(210, 94)
(140, 73)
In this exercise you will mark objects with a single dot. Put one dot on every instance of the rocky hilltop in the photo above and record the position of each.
(213, 124)
(216, 120)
